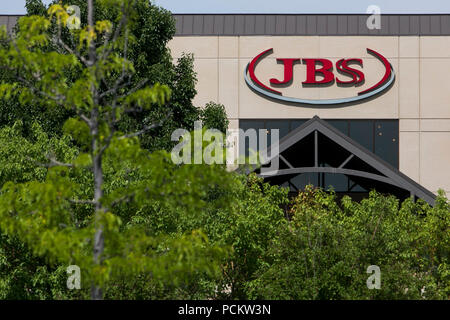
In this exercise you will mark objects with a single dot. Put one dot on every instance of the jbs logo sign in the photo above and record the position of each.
(346, 72)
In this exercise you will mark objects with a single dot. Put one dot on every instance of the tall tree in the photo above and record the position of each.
(151, 29)
(93, 77)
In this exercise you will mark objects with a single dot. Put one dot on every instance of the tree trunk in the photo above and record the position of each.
(96, 291)
(99, 245)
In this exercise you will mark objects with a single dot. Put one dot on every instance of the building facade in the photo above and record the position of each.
(406, 123)
(386, 89)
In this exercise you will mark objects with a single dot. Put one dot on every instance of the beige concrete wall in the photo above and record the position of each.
(419, 98)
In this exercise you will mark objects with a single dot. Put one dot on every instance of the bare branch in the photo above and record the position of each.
(133, 110)
(107, 141)
(116, 35)
(25, 63)
(114, 91)
(118, 83)
(58, 99)
(123, 198)
(90, 21)
(138, 133)
(77, 201)
(115, 88)
(84, 118)
(60, 41)
(146, 128)
(73, 52)
(134, 89)
(54, 163)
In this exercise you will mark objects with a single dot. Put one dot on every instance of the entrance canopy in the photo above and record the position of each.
(317, 147)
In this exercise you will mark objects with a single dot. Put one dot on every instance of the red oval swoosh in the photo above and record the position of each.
(251, 71)
(387, 74)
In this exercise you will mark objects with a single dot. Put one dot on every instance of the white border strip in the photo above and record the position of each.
(322, 102)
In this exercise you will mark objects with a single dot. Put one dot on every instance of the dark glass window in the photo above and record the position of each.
(250, 124)
(386, 141)
(296, 123)
(380, 136)
(362, 132)
(341, 125)
(281, 125)
(338, 182)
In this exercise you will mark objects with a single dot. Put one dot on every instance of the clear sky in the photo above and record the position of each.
(277, 6)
